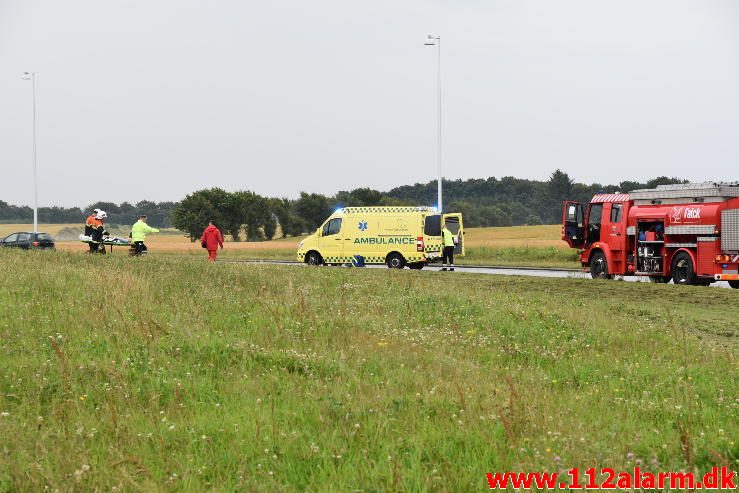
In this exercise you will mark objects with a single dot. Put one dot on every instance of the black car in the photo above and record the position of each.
(27, 241)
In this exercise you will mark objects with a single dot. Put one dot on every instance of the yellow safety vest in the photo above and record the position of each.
(139, 230)
(448, 237)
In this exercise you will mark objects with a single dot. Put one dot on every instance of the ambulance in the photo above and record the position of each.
(394, 236)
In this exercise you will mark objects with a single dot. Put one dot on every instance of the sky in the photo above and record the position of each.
(154, 99)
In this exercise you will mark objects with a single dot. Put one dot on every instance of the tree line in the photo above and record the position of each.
(158, 214)
(245, 215)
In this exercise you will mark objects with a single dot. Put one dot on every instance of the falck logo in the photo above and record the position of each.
(677, 214)
(680, 213)
(362, 225)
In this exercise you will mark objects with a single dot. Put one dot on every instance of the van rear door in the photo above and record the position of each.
(432, 236)
(454, 223)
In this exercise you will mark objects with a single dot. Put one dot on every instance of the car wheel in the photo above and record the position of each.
(683, 271)
(395, 261)
(313, 258)
(599, 266)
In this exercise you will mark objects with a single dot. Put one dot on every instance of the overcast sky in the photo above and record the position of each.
(153, 99)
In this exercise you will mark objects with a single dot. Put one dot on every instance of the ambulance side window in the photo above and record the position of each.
(332, 227)
(432, 226)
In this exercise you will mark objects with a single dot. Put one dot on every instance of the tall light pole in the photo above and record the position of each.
(435, 40)
(32, 77)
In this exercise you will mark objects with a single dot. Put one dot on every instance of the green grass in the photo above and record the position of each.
(161, 374)
(522, 256)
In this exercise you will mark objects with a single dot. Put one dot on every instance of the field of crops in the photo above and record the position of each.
(538, 246)
(173, 374)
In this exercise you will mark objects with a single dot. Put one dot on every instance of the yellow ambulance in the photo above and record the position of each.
(395, 236)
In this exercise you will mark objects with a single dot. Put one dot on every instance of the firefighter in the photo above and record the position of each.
(88, 226)
(97, 227)
(448, 242)
(138, 234)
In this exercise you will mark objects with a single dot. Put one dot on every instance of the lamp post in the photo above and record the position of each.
(435, 40)
(32, 77)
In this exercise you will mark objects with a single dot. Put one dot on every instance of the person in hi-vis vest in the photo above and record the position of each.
(449, 239)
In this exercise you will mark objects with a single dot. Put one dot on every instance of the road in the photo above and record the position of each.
(494, 270)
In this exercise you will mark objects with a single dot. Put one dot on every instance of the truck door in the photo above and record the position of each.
(454, 223)
(594, 220)
(616, 229)
(573, 229)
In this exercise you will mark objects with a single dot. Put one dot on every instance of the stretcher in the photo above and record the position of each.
(107, 241)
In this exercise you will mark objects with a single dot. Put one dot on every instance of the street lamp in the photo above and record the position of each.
(32, 77)
(435, 40)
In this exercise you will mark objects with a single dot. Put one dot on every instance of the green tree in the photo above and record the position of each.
(193, 213)
(313, 209)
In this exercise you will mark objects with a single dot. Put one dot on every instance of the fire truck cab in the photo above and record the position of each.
(687, 233)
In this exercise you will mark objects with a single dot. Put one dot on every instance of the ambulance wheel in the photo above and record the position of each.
(734, 284)
(599, 266)
(395, 261)
(313, 258)
(417, 265)
(683, 271)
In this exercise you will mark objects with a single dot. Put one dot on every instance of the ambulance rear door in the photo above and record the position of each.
(432, 236)
(454, 223)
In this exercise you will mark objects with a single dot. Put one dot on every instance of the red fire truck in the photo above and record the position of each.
(686, 233)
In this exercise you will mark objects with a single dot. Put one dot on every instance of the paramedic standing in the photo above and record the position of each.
(138, 234)
(212, 239)
(448, 240)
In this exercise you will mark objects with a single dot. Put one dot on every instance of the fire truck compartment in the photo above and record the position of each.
(730, 230)
(650, 246)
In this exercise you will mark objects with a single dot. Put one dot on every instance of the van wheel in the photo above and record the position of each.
(313, 258)
(395, 261)
(417, 265)
(734, 284)
(683, 271)
(599, 266)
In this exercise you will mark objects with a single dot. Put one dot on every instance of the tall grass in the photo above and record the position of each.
(160, 374)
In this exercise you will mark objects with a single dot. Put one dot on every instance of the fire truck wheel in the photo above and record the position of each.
(395, 261)
(313, 258)
(734, 284)
(599, 266)
(683, 271)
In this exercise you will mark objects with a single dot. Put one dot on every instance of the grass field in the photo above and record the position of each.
(169, 374)
(535, 246)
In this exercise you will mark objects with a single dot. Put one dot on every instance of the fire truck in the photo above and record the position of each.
(687, 233)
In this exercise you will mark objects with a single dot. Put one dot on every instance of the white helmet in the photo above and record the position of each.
(95, 211)
(101, 215)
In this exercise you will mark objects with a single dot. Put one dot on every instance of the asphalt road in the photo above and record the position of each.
(493, 270)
